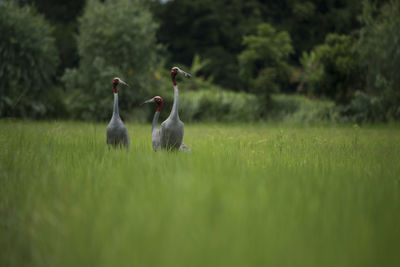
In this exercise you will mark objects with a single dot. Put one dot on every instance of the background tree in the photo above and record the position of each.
(117, 43)
(211, 29)
(379, 48)
(263, 62)
(338, 47)
(332, 69)
(62, 14)
(214, 29)
(308, 22)
(28, 64)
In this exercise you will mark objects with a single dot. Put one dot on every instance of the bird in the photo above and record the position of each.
(117, 134)
(171, 130)
(155, 132)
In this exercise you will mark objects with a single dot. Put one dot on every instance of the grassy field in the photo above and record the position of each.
(247, 195)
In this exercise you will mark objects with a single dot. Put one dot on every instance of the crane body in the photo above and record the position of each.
(170, 134)
(172, 129)
(155, 132)
(117, 134)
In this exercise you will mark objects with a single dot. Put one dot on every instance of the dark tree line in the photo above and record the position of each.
(215, 29)
(63, 16)
(342, 50)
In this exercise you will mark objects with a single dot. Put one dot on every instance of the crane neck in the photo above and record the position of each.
(173, 77)
(160, 105)
(155, 121)
(174, 113)
(115, 112)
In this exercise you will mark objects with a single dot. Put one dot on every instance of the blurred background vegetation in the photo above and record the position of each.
(302, 61)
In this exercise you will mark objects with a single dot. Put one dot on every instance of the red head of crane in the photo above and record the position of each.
(155, 132)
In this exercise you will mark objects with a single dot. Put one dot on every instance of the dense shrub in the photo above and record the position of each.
(212, 29)
(62, 15)
(364, 108)
(263, 62)
(332, 69)
(212, 105)
(226, 106)
(379, 47)
(28, 63)
(299, 109)
(116, 38)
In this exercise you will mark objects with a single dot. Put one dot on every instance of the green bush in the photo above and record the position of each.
(227, 106)
(364, 108)
(380, 54)
(213, 105)
(116, 38)
(302, 110)
(263, 63)
(332, 69)
(28, 63)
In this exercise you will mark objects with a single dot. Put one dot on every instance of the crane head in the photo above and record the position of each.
(176, 70)
(117, 81)
(156, 99)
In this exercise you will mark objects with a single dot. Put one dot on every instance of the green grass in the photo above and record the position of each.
(247, 195)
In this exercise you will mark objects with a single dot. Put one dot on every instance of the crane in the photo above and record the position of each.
(155, 132)
(117, 134)
(171, 130)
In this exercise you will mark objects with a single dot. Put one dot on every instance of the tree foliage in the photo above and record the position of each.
(379, 47)
(62, 14)
(308, 22)
(211, 29)
(263, 62)
(28, 62)
(344, 50)
(332, 69)
(214, 28)
(116, 38)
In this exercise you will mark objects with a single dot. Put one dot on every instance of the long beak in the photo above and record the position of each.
(184, 73)
(148, 101)
(124, 83)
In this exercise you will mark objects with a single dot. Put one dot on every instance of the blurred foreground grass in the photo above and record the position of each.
(247, 195)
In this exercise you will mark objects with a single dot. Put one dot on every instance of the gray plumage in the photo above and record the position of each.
(155, 132)
(117, 134)
(172, 129)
